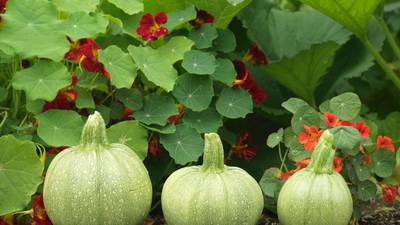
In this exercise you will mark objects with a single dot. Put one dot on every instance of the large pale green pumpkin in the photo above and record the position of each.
(213, 193)
(316, 195)
(97, 183)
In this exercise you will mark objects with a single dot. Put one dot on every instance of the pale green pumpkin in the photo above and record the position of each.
(96, 183)
(316, 195)
(211, 194)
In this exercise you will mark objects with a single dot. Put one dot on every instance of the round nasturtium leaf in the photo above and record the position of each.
(347, 139)
(76, 5)
(131, 134)
(366, 190)
(204, 36)
(82, 25)
(198, 62)
(32, 28)
(346, 106)
(20, 173)
(129, 6)
(234, 103)
(43, 80)
(205, 121)
(305, 115)
(156, 110)
(224, 72)
(185, 145)
(226, 41)
(120, 66)
(194, 92)
(132, 98)
(60, 127)
(384, 162)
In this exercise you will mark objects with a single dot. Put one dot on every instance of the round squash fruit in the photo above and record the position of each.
(316, 195)
(213, 193)
(97, 183)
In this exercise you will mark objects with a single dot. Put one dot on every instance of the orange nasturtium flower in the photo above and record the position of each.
(310, 136)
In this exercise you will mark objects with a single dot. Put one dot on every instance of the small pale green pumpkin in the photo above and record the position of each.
(213, 193)
(316, 195)
(97, 183)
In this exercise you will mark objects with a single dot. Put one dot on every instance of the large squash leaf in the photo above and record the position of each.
(353, 14)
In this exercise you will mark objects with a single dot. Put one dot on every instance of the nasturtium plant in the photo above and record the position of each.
(261, 74)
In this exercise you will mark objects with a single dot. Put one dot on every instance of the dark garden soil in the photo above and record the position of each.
(382, 216)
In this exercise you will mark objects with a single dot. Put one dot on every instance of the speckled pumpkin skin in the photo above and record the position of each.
(97, 187)
(308, 198)
(193, 197)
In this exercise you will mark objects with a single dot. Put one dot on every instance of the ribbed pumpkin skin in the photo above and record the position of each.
(193, 197)
(120, 192)
(97, 183)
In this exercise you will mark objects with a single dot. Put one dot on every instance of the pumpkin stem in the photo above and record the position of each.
(323, 155)
(94, 131)
(213, 158)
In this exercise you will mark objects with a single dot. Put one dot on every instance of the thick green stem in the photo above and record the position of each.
(390, 38)
(94, 132)
(213, 158)
(323, 155)
(384, 65)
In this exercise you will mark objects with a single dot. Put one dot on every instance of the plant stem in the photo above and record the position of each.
(283, 159)
(381, 61)
(390, 37)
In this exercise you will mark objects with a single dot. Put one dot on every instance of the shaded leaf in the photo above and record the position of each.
(132, 98)
(366, 190)
(234, 103)
(156, 110)
(224, 72)
(204, 36)
(226, 41)
(205, 121)
(384, 162)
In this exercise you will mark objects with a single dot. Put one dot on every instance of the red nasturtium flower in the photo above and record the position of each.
(331, 120)
(309, 137)
(154, 145)
(150, 28)
(175, 119)
(65, 98)
(39, 215)
(126, 113)
(86, 52)
(56, 150)
(337, 164)
(385, 142)
(242, 148)
(246, 81)
(202, 17)
(3, 4)
(362, 128)
(389, 192)
(255, 56)
(287, 175)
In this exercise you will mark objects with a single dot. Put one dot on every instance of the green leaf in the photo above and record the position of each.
(175, 49)
(194, 92)
(205, 121)
(362, 172)
(346, 106)
(157, 65)
(38, 19)
(275, 138)
(167, 129)
(43, 80)
(120, 66)
(234, 103)
(85, 99)
(60, 127)
(198, 62)
(366, 190)
(390, 126)
(76, 5)
(270, 182)
(81, 25)
(156, 110)
(34, 106)
(352, 14)
(91, 81)
(304, 116)
(20, 172)
(129, 133)
(284, 34)
(235, 2)
(155, 6)
(178, 18)
(301, 73)
(347, 139)
(384, 162)
(204, 36)
(132, 98)
(297, 151)
(129, 6)
(226, 41)
(294, 104)
(224, 72)
(222, 10)
(185, 145)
